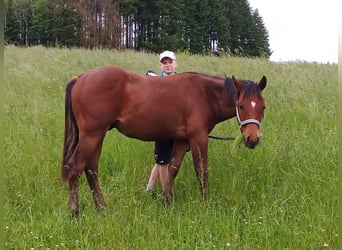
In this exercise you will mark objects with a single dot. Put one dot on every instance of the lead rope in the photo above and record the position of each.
(221, 138)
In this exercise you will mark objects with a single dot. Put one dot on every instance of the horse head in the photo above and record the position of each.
(250, 106)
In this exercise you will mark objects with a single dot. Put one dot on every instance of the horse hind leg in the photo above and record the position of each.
(92, 178)
(179, 150)
(85, 160)
(91, 173)
(74, 173)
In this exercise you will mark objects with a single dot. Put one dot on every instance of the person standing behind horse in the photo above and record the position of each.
(162, 149)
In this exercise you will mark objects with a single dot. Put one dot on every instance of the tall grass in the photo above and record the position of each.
(282, 195)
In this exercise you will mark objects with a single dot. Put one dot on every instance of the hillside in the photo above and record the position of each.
(282, 195)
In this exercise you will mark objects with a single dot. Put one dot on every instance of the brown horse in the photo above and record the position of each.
(183, 107)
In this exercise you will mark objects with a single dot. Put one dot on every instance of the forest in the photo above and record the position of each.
(197, 26)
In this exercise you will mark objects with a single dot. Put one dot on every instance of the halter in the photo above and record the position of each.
(247, 121)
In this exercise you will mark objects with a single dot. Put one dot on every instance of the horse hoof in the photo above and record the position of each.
(74, 215)
(101, 208)
(166, 199)
(74, 211)
(165, 202)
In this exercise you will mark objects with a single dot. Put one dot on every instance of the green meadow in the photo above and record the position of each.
(281, 195)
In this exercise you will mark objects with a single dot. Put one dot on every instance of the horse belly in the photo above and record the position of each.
(148, 129)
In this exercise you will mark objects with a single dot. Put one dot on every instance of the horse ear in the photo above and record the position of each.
(237, 83)
(262, 83)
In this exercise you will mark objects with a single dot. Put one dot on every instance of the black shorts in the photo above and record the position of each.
(163, 151)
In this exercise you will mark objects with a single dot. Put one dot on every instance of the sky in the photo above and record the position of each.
(301, 30)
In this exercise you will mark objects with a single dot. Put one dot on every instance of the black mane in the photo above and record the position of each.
(204, 74)
(250, 89)
(229, 90)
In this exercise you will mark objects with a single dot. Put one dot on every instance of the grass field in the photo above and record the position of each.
(282, 195)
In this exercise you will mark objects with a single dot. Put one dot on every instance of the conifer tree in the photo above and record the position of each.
(198, 26)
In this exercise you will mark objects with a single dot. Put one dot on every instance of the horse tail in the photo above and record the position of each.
(71, 135)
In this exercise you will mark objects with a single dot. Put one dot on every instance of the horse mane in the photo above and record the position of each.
(204, 74)
(229, 89)
(250, 89)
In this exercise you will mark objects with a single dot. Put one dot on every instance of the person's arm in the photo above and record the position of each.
(151, 73)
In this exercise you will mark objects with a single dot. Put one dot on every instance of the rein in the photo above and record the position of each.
(221, 138)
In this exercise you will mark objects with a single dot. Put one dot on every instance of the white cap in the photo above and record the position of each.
(168, 54)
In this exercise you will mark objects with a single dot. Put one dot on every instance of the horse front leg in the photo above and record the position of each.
(199, 150)
(178, 152)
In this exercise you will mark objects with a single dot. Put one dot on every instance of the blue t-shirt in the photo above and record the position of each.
(163, 73)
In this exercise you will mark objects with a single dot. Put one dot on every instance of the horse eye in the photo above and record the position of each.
(241, 106)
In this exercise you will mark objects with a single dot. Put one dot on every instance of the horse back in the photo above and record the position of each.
(99, 94)
(143, 107)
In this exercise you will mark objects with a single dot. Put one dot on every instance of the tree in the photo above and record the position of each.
(55, 23)
(171, 32)
(147, 18)
(218, 29)
(198, 26)
(262, 46)
(18, 18)
(128, 11)
(239, 15)
(12, 25)
(100, 23)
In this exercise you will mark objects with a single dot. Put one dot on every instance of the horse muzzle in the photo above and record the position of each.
(251, 143)
(251, 135)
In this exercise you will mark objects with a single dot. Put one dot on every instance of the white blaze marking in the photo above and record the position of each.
(253, 104)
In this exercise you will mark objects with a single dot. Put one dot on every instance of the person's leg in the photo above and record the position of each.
(163, 174)
(162, 156)
(153, 177)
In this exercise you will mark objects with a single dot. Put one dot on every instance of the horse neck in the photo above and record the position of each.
(225, 95)
(226, 108)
